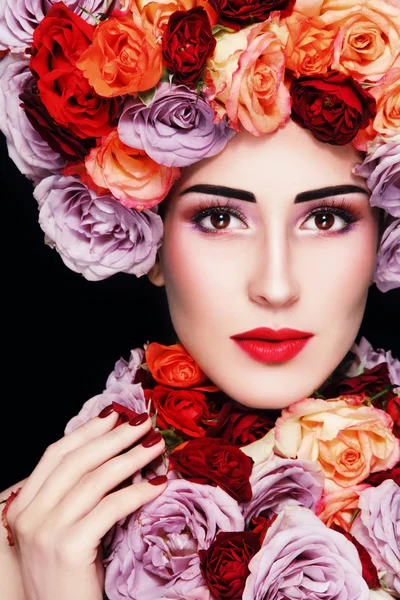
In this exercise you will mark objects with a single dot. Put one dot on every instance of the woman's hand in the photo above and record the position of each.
(68, 504)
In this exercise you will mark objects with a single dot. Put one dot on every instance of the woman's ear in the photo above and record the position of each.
(156, 274)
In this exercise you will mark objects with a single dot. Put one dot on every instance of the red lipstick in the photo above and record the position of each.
(270, 345)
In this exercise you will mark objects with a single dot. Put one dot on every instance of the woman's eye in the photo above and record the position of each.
(214, 220)
(327, 221)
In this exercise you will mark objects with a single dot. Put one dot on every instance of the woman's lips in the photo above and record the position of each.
(268, 345)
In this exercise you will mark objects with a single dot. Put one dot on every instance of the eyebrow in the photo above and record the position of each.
(227, 192)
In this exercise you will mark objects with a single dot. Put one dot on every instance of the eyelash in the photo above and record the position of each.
(343, 209)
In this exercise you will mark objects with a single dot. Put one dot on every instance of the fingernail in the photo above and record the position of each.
(151, 439)
(139, 419)
(106, 411)
(158, 480)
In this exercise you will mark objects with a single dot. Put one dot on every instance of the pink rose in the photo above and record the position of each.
(339, 507)
(348, 439)
(246, 74)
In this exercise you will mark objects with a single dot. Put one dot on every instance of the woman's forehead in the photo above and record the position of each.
(288, 158)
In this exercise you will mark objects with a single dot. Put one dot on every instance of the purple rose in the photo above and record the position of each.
(367, 358)
(281, 482)
(125, 371)
(381, 169)
(19, 18)
(155, 551)
(127, 394)
(176, 129)
(301, 558)
(387, 267)
(32, 155)
(96, 235)
(377, 528)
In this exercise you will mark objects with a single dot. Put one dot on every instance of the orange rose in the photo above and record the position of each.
(339, 507)
(123, 58)
(245, 76)
(368, 40)
(309, 49)
(348, 439)
(132, 177)
(156, 14)
(387, 118)
(174, 367)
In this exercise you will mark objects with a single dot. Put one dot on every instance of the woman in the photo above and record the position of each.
(257, 237)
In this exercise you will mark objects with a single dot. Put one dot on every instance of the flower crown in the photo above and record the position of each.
(103, 103)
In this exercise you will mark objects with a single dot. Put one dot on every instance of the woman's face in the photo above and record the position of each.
(281, 248)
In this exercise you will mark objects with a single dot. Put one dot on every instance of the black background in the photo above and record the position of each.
(61, 334)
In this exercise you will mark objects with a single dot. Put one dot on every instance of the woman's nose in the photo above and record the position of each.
(273, 282)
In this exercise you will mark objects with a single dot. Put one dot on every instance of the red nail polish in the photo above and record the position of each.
(107, 410)
(151, 439)
(158, 480)
(139, 420)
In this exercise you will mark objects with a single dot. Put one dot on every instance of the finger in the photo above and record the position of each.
(54, 453)
(115, 507)
(93, 487)
(76, 464)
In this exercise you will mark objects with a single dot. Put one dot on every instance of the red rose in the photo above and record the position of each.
(225, 564)
(376, 479)
(369, 572)
(333, 107)
(58, 138)
(58, 41)
(235, 14)
(187, 44)
(260, 525)
(372, 381)
(393, 409)
(240, 425)
(186, 411)
(214, 461)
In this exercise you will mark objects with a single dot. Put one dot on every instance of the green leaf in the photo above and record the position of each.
(87, 12)
(219, 30)
(147, 97)
(172, 439)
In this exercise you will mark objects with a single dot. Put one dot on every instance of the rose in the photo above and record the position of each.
(123, 58)
(387, 266)
(369, 572)
(240, 425)
(95, 235)
(278, 482)
(237, 13)
(176, 129)
(376, 528)
(215, 462)
(368, 41)
(393, 409)
(371, 381)
(387, 119)
(333, 107)
(29, 151)
(187, 43)
(366, 358)
(126, 371)
(174, 527)
(225, 564)
(185, 411)
(309, 48)
(376, 479)
(129, 174)
(245, 79)
(173, 366)
(18, 20)
(58, 42)
(301, 558)
(349, 440)
(157, 14)
(339, 507)
(381, 169)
